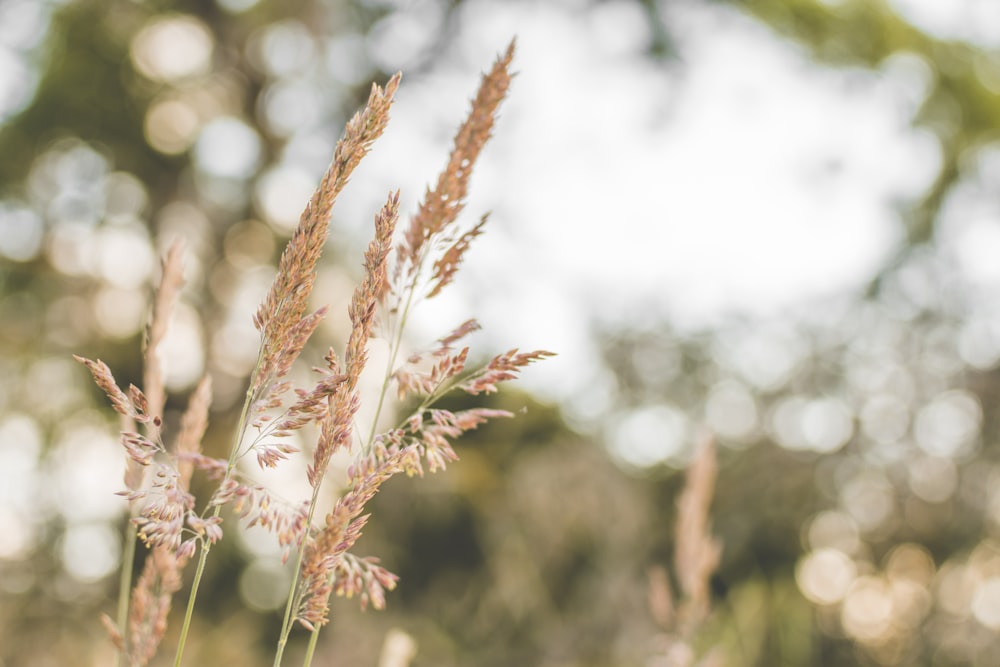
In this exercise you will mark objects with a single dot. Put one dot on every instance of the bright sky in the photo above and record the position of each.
(745, 181)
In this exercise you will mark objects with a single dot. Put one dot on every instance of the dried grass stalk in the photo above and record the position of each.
(144, 613)
(194, 423)
(344, 402)
(696, 557)
(168, 523)
(696, 552)
(120, 401)
(161, 575)
(442, 204)
(171, 280)
(431, 238)
(287, 300)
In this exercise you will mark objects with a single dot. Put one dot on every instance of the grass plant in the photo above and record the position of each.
(682, 615)
(176, 527)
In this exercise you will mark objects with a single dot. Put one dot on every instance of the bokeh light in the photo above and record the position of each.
(171, 48)
(21, 442)
(833, 529)
(85, 462)
(282, 48)
(23, 28)
(868, 608)
(949, 425)
(933, 479)
(171, 126)
(227, 148)
(870, 499)
(21, 232)
(401, 36)
(264, 585)
(280, 192)
(120, 312)
(91, 552)
(183, 349)
(652, 435)
(730, 411)
(986, 603)
(825, 575)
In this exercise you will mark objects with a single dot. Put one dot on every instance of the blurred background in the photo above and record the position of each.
(774, 219)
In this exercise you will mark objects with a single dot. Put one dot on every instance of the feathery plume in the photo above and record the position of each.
(285, 303)
(441, 206)
(163, 305)
(344, 402)
(432, 236)
(343, 526)
(501, 368)
(697, 553)
(152, 596)
(150, 606)
(103, 378)
(696, 556)
(447, 264)
(431, 252)
(194, 422)
(366, 297)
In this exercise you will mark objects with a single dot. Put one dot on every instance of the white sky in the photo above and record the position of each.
(973, 21)
(746, 180)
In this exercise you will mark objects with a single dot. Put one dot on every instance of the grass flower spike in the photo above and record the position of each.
(176, 527)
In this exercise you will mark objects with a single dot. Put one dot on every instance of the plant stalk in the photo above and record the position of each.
(293, 593)
(206, 546)
(125, 587)
(396, 344)
(313, 640)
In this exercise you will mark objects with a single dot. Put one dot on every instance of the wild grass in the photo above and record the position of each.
(682, 614)
(177, 528)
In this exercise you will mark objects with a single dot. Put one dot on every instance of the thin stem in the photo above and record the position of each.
(313, 640)
(294, 594)
(125, 585)
(395, 345)
(206, 546)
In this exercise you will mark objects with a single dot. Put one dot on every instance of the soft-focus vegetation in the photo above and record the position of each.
(857, 500)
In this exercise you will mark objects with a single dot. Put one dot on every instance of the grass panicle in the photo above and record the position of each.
(177, 528)
(345, 401)
(696, 557)
(142, 615)
(441, 205)
(171, 281)
(432, 238)
(287, 300)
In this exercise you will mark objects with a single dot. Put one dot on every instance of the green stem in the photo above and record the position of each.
(293, 591)
(206, 546)
(125, 585)
(395, 344)
(294, 594)
(313, 640)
